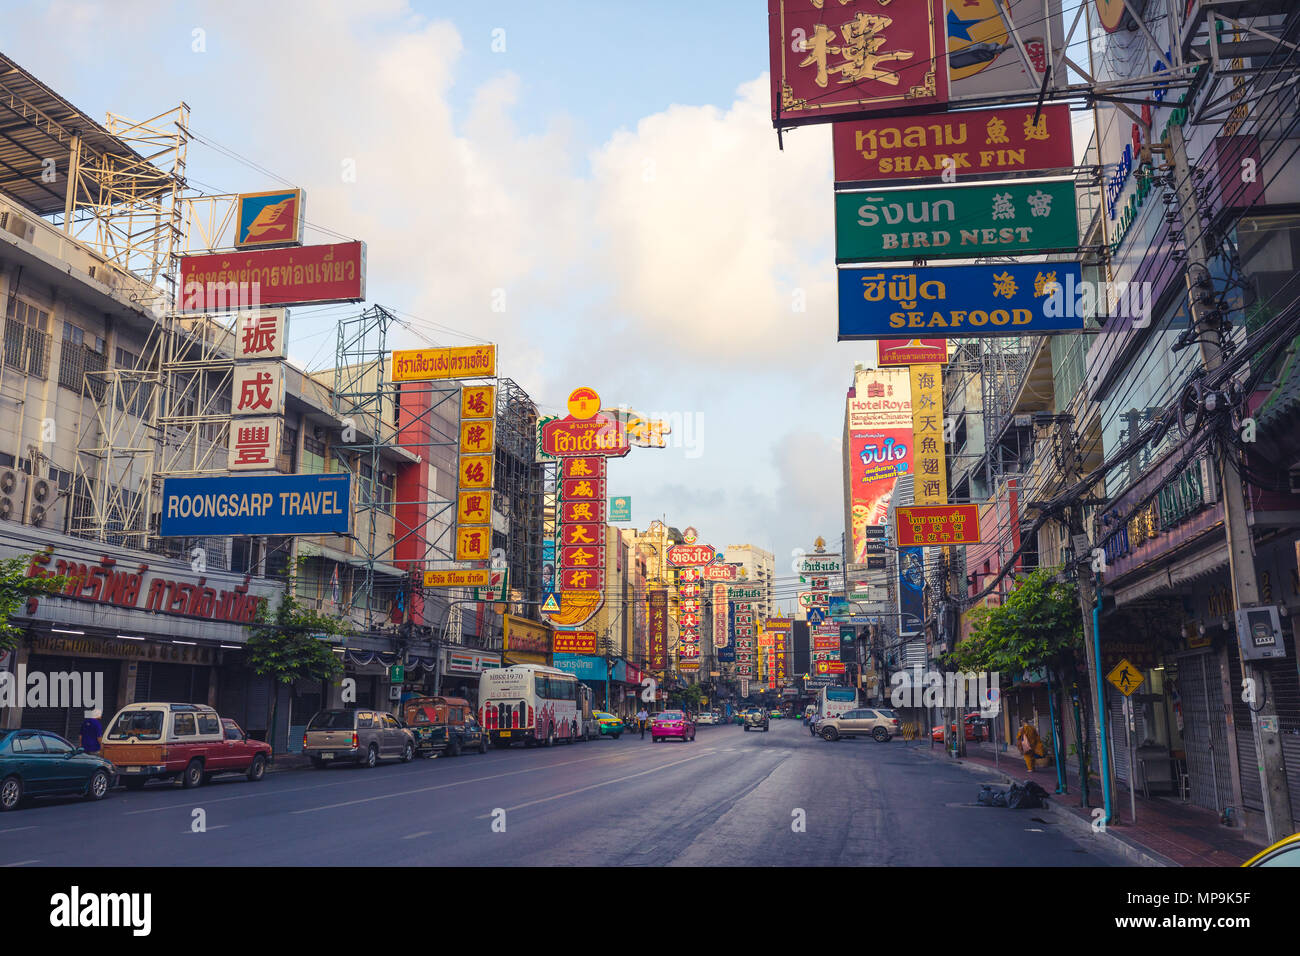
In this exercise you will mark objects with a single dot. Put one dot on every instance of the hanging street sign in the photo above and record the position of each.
(1008, 299)
(962, 222)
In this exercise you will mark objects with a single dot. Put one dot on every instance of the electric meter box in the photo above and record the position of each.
(1259, 633)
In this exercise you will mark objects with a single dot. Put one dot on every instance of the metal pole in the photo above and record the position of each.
(1132, 780)
(1056, 737)
(1104, 760)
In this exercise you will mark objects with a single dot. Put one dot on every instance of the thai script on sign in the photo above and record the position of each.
(103, 584)
(475, 361)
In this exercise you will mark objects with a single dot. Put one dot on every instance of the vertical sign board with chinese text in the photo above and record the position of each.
(880, 448)
(477, 457)
(257, 390)
(658, 599)
(930, 483)
(953, 301)
(956, 222)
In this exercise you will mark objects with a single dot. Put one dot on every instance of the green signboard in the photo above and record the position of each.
(956, 222)
(620, 509)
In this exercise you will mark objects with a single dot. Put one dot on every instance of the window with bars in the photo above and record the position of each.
(315, 456)
(288, 449)
(26, 341)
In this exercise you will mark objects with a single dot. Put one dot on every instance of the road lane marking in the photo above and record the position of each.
(594, 786)
(18, 829)
(22, 863)
(415, 836)
(441, 786)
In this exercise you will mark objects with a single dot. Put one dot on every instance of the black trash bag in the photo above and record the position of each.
(1020, 797)
(1036, 790)
(999, 798)
(985, 798)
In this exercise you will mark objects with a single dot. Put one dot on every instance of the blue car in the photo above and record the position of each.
(36, 763)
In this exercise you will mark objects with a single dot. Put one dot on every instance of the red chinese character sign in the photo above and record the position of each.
(938, 524)
(683, 555)
(836, 58)
(658, 600)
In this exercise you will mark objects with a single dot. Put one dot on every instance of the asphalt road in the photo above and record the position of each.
(729, 798)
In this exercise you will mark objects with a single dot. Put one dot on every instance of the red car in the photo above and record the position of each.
(158, 741)
(975, 728)
(672, 723)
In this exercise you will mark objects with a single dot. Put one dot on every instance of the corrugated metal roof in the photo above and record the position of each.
(36, 124)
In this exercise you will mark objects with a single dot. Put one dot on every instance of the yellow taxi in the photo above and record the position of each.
(610, 726)
(1282, 853)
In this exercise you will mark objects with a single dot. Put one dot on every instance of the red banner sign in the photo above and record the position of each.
(977, 143)
(574, 642)
(573, 512)
(912, 351)
(601, 435)
(300, 275)
(938, 524)
(590, 467)
(583, 556)
(690, 554)
(836, 58)
(592, 534)
(581, 579)
(721, 572)
(583, 489)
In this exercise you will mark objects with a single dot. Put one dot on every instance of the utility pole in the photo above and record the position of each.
(1241, 551)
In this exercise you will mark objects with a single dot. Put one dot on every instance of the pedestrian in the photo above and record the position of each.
(1031, 746)
(642, 718)
(91, 732)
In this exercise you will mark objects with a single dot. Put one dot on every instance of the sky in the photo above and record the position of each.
(596, 187)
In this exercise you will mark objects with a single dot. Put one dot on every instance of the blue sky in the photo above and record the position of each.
(613, 174)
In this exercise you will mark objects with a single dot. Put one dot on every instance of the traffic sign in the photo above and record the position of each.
(1125, 677)
(397, 673)
(552, 603)
(816, 615)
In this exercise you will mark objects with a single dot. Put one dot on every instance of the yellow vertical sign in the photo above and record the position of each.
(930, 468)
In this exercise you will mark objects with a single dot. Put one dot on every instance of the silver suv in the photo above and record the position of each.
(362, 736)
(877, 722)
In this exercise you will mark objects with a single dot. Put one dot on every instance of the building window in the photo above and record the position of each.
(27, 343)
(315, 454)
(288, 449)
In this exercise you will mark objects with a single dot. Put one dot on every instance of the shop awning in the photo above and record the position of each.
(1174, 575)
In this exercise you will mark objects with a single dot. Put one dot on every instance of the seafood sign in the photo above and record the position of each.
(1009, 218)
(951, 301)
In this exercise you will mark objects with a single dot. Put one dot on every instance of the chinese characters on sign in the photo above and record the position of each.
(658, 599)
(938, 525)
(477, 454)
(930, 481)
(257, 390)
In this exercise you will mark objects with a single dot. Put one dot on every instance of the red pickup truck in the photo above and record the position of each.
(152, 741)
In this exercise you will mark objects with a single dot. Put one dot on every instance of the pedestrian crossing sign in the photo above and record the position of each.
(1125, 677)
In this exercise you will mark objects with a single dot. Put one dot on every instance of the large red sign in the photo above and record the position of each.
(581, 579)
(721, 572)
(593, 467)
(600, 435)
(690, 554)
(912, 352)
(301, 275)
(583, 556)
(837, 58)
(574, 642)
(976, 143)
(938, 524)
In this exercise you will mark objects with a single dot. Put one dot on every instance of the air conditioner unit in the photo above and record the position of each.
(43, 504)
(18, 225)
(11, 494)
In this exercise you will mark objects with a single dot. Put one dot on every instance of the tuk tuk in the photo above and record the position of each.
(443, 725)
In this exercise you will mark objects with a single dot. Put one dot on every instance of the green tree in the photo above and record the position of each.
(1037, 625)
(283, 645)
(690, 696)
(16, 586)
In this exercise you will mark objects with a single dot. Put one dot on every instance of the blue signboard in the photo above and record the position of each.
(581, 666)
(256, 505)
(911, 582)
(1021, 298)
(727, 655)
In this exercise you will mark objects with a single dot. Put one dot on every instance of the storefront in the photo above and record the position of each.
(593, 672)
(127, 627)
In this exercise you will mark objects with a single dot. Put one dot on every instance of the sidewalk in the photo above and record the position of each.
(1168, 832)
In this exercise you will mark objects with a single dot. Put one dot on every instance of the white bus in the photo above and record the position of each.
(833, 701)
(535, 704)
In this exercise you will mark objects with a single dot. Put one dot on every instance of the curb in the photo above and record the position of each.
(1129, 849)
